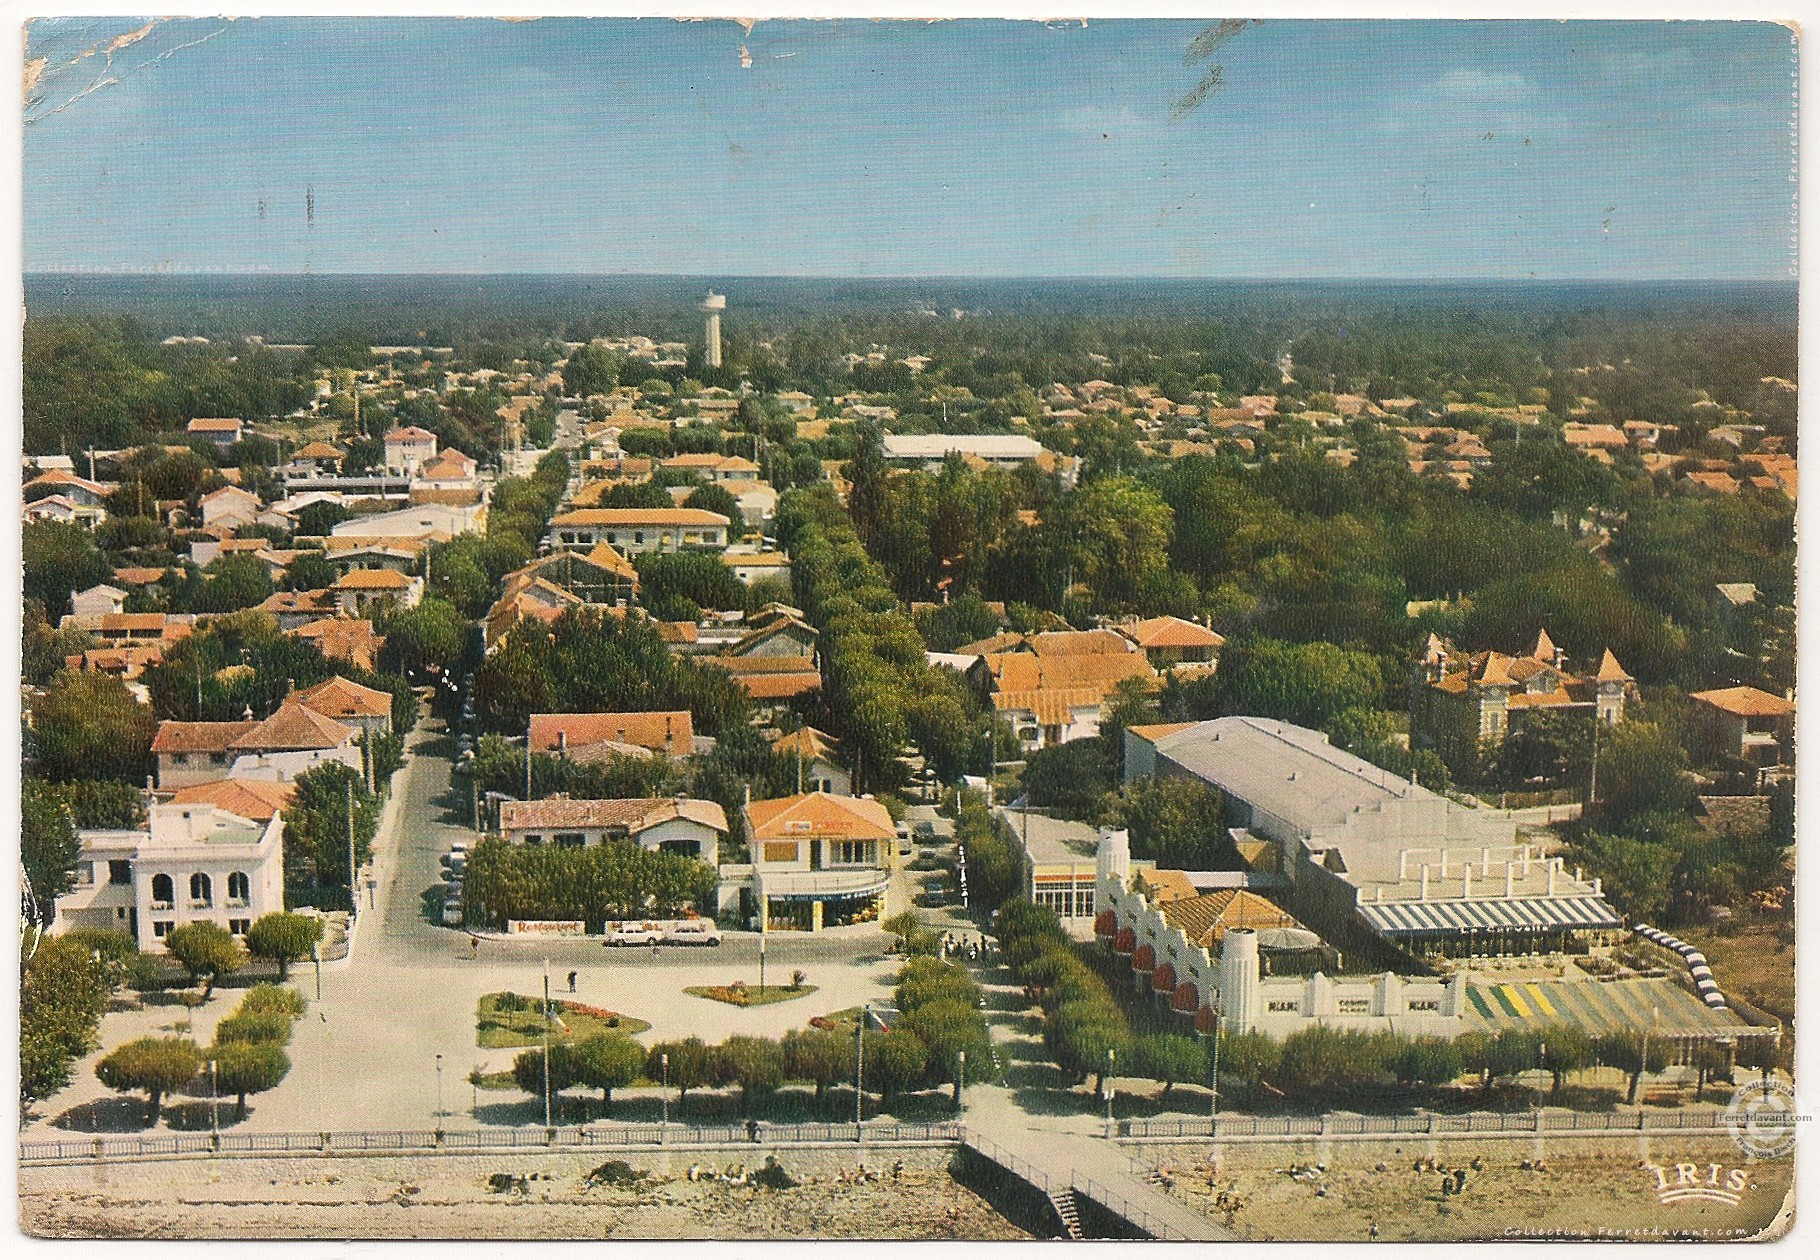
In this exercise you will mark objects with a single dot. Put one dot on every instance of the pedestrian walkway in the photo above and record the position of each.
(1080, 1166)
(1067, 1149)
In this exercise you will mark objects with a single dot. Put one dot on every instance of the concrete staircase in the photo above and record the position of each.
(1070, 1216)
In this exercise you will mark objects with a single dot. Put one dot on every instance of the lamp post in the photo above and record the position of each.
(663, 1061)
(1655, 1013)
(763, 936)
(353, 897)
(1111, 1057)
(859, 1067)
(439, 1111)
(546, 1045)
(214, 1102)
(316, 957)
(1213, 1074)
(960, 1078)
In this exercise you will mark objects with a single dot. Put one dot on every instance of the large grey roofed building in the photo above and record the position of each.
(1369, 853)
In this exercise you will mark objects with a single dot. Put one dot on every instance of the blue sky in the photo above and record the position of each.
(1418, 150)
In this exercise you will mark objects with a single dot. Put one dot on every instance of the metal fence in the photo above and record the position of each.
(1342, 1125)
(469, 1141)
(1120, 1206)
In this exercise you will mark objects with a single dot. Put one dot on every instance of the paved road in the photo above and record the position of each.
(366, 1053)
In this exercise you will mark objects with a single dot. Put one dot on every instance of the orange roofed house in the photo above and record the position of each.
(199, 752)
(595, 736)
(1053, 687)
(818, 860)
(1746, 729)
(1459, 703)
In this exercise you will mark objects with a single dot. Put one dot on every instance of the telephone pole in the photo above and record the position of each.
(353, 902)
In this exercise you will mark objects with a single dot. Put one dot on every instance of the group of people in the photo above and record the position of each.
(976, 948)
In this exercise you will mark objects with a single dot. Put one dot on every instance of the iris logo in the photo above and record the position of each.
(1677, 1183)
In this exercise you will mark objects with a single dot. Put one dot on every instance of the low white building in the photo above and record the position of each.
(193, 862)
(1192, 981)
(637, 530)
(692, 828)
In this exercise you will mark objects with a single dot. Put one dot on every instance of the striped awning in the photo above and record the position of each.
(1489, 914)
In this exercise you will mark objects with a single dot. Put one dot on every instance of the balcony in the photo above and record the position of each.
(236, 903)
(202, 905)
(163, 905)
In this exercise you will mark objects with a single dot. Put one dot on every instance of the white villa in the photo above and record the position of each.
(194, 862)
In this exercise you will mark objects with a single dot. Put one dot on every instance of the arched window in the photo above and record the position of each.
(199, 888)
(163, 892)
(238, 886)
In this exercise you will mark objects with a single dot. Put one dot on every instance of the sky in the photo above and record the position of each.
(1412, 150)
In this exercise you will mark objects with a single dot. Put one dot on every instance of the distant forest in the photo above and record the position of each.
(95, 370)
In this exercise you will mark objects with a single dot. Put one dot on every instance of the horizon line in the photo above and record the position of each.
(133, 273)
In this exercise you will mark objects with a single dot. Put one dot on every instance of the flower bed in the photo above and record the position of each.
(741, 994)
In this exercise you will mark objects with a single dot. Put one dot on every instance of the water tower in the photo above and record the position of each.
(711, 307)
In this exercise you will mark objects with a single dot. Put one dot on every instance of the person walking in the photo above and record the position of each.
(572, 982)
(473, 947)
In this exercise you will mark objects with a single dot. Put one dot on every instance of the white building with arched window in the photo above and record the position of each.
(193, 862)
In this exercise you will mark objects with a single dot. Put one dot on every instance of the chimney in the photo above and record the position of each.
(562, 743)
(746, 793)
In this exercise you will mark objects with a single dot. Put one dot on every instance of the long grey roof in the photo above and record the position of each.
(1289, 771)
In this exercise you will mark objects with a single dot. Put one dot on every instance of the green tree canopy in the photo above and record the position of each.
(608, 1062)
(58, 561)
(283, 938)
(205, 949)
(157, 1065)
(89, 726)
(243, 1068)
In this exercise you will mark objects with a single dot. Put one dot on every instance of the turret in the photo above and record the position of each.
(1241, 998)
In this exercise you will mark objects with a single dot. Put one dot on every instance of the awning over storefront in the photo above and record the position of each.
(1144, 959)
(1124, 942)
(1105, 923)
(822, 885)
(1489, 914)
(1187, 997)
(1163, 979)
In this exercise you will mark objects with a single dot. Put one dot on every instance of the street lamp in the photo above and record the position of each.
(214, 1102)
(439, 1111)
(1655, 1014)
(1213, 1073)
(960, 1077)
(316, 957)
(763, 936)
(859, 1067)
(546, 1044)
(1111, 1056)
(663, 1061)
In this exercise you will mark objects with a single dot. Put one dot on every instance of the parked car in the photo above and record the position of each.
(453, 864)
(925, 831)
(692, 932)
(903, 839)
(451, 913)
(634, 933)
